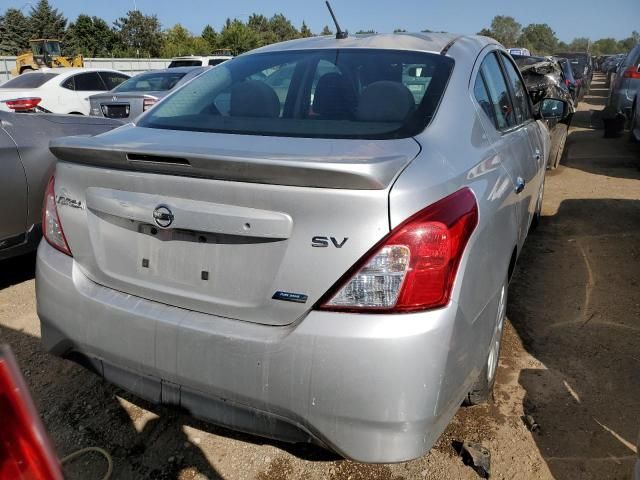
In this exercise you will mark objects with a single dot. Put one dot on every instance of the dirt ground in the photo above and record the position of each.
(570, 358)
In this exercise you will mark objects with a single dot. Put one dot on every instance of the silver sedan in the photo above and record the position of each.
(138, 94)
(312, 241)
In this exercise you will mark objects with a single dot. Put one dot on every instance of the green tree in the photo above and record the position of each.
(538, 38)
(261, 26)
(14, 32)
(366, 32)
(629, 42)
(237, 37)
(46, 22)
(580, 44)
(282, 27)
(210, 36)
(326, 30)
(486, 32)
(90, 36)
(177, 41)
(605, 46)
(505, 30)
(305, 31)
(138, 34)
(399, 30)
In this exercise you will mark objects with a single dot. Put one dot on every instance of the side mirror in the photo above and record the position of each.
(553, 109)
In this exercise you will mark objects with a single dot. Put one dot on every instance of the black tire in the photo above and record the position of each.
(25, 70)
(537, 216)
(560, 150)
(482, 390)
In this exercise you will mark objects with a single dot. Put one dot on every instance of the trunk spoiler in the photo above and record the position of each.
(322, 163)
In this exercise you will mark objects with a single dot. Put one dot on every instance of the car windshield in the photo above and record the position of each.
(29, 80)
(151, 82)
(349, 93)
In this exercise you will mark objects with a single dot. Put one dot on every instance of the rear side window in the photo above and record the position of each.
(498, 92)
(69, 84)
(29, 80)
(520, 95)
(216, 61)
(347, 93)
(89, 81)
(483, 99)
(113, 79)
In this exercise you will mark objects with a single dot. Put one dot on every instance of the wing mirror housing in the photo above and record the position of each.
(553, 109)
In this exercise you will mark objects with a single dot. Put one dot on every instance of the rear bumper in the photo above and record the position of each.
(374, 388)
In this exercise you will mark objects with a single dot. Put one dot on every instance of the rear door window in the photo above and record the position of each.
(113, 79)
(520, 95)
(483, 99)
(90, 81)
(498, 92)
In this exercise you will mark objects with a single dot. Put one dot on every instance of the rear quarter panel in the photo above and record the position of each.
(457, 152)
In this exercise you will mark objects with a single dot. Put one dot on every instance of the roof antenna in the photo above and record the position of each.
(339, 33)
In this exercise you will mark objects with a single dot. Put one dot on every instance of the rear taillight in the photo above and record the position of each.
(148, 102)
(23, 104)
(25, 452)
(632, 72)
(414, 267)
(567, 82)
(51, 225)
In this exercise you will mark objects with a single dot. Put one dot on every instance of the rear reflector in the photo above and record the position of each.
(25, 452)
(148, 102)
(632, 72)
(51, 225)
(413, 268)
(23, 104)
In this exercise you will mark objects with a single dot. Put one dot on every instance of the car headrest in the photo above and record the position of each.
(385, 101)
(253, 98)
(334, 97)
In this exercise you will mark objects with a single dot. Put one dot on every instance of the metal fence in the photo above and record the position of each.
(127, 65)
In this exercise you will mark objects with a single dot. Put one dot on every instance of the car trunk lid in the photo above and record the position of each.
(226, 230)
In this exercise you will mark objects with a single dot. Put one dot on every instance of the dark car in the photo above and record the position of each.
(575, 88)
(25, 167)
(545, 79)
(582, 66)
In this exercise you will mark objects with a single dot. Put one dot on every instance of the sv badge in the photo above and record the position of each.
(323, 242)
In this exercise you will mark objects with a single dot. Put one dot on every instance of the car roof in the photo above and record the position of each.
(174, 70)
(428, 42)
(66, 71)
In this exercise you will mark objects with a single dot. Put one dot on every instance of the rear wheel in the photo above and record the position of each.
(26, 70)
(482, 390)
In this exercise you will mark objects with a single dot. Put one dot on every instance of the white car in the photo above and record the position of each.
(59, 90)
(196, 61)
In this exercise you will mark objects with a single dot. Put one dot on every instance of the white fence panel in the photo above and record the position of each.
(127, 65)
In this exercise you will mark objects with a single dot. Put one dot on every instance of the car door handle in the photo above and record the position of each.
(537, 155)
(520, 183)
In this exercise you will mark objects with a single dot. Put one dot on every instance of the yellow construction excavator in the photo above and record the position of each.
(45, 52)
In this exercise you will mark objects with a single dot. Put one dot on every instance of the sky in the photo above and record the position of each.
(568, 18)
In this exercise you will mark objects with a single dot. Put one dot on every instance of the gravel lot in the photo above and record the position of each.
(570, 358)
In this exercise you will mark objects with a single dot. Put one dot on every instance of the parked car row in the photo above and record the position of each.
(545, 78)
(625, 86)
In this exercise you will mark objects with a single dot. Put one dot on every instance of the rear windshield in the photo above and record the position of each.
(151, 82)
(349, 93)
(185, 63)
(217, 61)
(29, 80)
